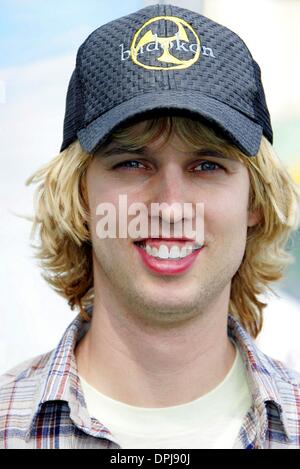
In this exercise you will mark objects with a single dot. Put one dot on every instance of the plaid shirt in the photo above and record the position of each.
(42, 404)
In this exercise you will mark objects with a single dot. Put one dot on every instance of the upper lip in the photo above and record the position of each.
(167, 239)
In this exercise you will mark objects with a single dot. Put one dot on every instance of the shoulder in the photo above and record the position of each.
(275, 378)
(280, 372)
(259, 362)
(287, 381)
(275, 387)
(19, 388)
(280, 388)
(28, 369)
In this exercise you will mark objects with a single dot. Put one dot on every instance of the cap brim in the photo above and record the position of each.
(240, 129)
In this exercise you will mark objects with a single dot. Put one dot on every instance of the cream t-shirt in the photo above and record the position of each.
(211, 421)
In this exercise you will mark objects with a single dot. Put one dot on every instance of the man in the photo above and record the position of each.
(164, 107)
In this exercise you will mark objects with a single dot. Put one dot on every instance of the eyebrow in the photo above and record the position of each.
(120, 150)
(143, 151)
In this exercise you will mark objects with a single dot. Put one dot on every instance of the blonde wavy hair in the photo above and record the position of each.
(62, 216)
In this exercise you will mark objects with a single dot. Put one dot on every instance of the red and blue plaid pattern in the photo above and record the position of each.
(42, 404)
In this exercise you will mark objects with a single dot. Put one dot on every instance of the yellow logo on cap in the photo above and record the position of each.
(141, 40)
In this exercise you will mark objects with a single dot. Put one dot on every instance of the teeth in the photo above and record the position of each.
(163, 252)
(154, 252)
(189, 249)
(175, 252)
(183, 252)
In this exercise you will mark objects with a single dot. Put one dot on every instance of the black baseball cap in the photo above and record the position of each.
(165, 58)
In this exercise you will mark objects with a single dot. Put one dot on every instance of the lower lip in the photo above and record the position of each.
(167, 266)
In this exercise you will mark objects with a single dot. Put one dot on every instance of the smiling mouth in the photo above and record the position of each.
(168, 249)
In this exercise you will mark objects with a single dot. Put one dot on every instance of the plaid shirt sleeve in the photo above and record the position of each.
(42, 405)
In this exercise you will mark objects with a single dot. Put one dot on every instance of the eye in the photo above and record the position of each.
(130, 164)
(207, 165)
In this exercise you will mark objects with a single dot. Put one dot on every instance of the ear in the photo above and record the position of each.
(254, 217)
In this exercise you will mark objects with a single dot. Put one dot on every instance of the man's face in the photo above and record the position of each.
(170, 174)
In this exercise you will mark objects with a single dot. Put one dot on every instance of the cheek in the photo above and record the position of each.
(100, 192)
(226, 216)
(98, 189)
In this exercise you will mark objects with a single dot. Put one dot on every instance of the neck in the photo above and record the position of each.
(149, 366)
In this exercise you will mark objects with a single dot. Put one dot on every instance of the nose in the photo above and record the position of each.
(171, 192)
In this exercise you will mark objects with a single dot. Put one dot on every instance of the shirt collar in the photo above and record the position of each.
(60, 380)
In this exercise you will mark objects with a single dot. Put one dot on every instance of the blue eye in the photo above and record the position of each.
(207, 163)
